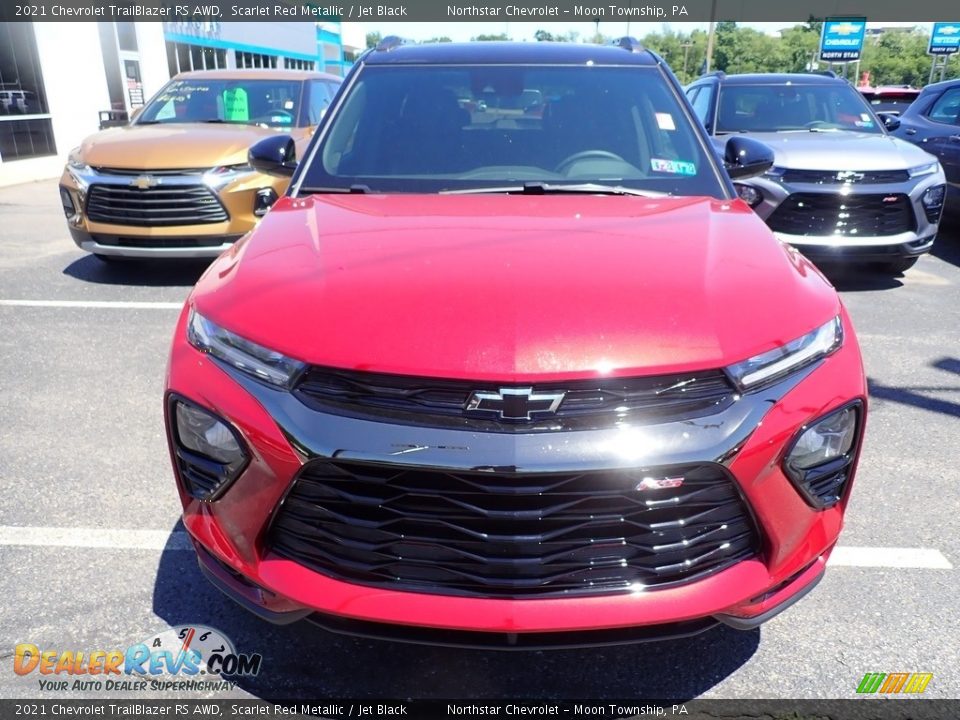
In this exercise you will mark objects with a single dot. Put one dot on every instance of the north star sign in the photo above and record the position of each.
(945, 38)
(842, 39)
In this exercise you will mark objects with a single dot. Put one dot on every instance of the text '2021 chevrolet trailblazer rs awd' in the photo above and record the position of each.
(511, 365)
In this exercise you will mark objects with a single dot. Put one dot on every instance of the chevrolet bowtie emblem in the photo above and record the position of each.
(515, 403)
(144, 182)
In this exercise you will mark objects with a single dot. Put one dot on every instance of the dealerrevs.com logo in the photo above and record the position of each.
(181, 658)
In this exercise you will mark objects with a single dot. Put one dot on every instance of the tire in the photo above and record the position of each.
(899, 266)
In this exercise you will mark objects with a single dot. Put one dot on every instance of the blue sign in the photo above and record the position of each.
(842, 39)
(945, 39)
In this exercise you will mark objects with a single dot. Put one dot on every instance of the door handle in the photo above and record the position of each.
(955, 138)
(910, 131)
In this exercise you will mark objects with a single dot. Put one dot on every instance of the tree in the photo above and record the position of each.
(373, 39)
(543, 36)
(441, 39)
(498, 36)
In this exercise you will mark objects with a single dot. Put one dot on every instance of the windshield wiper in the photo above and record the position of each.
(356, 189)
(539, 188)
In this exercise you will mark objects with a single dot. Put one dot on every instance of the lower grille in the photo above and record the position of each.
(512, 534)
(864, 215)
(156, 206)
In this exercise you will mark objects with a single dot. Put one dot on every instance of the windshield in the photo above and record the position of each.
(779, 108)
(447, 128)
(273, 103)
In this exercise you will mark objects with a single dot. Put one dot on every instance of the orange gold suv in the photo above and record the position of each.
(175, 182)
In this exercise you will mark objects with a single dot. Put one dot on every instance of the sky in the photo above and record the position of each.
(525, 30)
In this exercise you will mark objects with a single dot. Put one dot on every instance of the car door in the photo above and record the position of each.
(937, 130)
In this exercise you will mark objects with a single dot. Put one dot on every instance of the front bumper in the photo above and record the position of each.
(164, 240)
(749, 438)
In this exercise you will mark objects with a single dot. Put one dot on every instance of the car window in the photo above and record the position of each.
(436, 128)
(787, 107)
(321, 95)
(273, 103)
(947, 108)
(701, 105)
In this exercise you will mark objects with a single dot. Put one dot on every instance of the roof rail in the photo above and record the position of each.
(715, 73)
(631, 44)
(390, 42)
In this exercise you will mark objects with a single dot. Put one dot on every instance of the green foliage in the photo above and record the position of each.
(895, 58)
(498, 36)
(373, 38)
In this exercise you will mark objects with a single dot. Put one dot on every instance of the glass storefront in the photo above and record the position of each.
(25, 127)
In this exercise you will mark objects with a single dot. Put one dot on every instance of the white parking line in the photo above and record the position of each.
(94, 538)
(889, 557)
(924, 558)
(119, 304)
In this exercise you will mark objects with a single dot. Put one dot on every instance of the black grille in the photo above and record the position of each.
(834, 177)
(512, 534)
(586, 403)
(156, 206)
(859, 215)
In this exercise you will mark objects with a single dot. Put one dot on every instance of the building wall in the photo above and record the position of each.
(76, 88)
(75, 78)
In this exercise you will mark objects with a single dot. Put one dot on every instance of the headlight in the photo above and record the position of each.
(790, 357)
(209, 452)
(75, 162)
(927, 169)
(79, 170)
(219, 176)
(248, 357)
(201, 432)
(825, 440)
(749, 194)
(820, 459)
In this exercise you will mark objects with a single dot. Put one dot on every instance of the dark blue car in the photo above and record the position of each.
(933, 123)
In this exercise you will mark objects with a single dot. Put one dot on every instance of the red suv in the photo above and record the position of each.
(494, 378)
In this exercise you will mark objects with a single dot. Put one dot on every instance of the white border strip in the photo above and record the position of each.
(889, 557)
(120, 304)
(119, 539)
(94, 538)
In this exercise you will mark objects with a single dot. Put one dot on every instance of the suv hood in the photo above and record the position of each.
(158, 147)
(513, 287)
(841, 150)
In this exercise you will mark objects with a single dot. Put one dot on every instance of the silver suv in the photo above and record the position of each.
(841, 187)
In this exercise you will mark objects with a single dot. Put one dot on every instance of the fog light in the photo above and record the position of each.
(209, 452)
(69, 209)
(820, 458)
(932, 201)
(264, 200)
(750, 195)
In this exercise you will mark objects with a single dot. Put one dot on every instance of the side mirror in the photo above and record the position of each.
(890, 122)
(744, 157)
(276, 155)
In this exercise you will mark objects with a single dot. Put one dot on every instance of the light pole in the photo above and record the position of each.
(686, 51)
(713, 28)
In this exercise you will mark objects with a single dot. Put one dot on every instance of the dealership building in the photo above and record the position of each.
(58, 80)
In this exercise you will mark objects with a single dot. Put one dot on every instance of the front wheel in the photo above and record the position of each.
(898, 266)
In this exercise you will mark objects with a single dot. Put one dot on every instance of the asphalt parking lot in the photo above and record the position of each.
(95, 558)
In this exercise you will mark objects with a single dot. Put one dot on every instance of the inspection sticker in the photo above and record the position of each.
(674, 167)
(665, 121)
